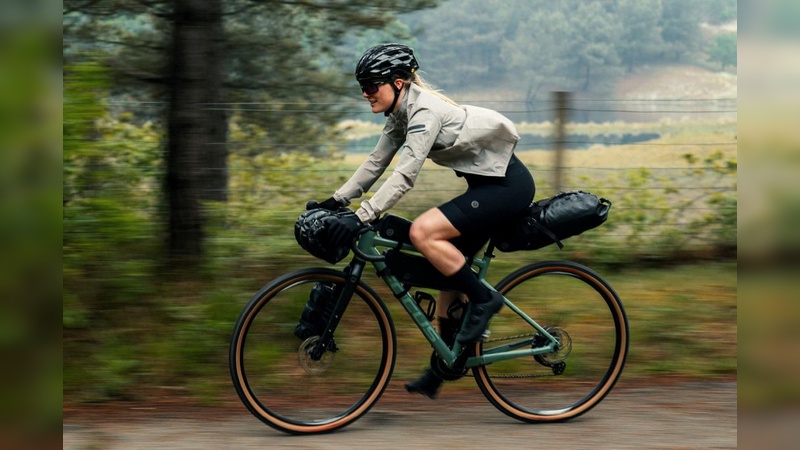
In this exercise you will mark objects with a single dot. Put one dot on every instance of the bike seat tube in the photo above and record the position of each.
(366, 248)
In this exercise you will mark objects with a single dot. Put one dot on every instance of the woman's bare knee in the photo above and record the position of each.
(417, 233)
(424, 229)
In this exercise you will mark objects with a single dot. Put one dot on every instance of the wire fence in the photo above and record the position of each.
(667, 177)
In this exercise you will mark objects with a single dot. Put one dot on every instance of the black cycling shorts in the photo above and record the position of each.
(488, 202)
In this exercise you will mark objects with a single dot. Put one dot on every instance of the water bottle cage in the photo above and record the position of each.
(428, 309)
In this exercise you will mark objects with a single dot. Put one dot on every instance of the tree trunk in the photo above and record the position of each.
(195, 82)
(214, 154)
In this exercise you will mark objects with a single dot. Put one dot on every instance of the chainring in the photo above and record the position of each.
(448, 373)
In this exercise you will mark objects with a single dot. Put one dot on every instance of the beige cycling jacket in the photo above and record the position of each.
(467, 139)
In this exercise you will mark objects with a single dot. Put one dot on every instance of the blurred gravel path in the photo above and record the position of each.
(674, 416)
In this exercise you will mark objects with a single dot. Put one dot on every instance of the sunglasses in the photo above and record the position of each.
(371, 89)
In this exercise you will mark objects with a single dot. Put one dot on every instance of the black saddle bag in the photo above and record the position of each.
(551, 221)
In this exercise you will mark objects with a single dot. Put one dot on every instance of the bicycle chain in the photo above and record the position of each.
(508, 338)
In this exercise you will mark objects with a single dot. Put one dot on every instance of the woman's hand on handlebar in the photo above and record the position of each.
(344, 231)
(330, 204)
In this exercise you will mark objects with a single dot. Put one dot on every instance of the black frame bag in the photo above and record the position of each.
(552, 220)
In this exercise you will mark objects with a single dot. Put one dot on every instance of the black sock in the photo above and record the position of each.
(468, 281)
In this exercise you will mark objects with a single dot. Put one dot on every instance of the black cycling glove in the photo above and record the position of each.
(344, 231)
(330, 204)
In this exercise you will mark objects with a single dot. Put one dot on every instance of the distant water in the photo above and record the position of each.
(583, 141)
(537, 142)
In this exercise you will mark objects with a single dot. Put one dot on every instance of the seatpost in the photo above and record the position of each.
(489, 252)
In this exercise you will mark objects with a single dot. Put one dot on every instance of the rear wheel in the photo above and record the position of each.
(578, 308)
(283, 385)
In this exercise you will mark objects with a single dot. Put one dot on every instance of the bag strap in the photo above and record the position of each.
(547, 233)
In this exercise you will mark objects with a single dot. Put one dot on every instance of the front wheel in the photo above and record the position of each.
(584, 314)
(279, 380)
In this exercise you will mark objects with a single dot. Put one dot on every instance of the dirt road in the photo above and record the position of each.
(675, 416)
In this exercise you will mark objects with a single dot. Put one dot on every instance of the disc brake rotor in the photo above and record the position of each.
(307, 363)
(561, 353)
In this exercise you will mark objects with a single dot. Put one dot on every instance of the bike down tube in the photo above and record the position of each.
(366, 247)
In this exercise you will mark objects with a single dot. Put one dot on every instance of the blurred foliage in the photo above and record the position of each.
(30, 226)
(677, 222)
(109, 223)
(135, 327)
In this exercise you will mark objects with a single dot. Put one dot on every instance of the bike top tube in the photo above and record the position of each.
(366, 247)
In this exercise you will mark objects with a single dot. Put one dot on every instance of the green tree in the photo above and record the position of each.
(570, 46)
(468, 51)
(593, 52)
(720, 11)
(641, 39)
(723, 50)
(680, 28)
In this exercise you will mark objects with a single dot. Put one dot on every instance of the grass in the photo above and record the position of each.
(682, 319)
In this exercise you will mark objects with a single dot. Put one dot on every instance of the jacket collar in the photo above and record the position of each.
(406, 103)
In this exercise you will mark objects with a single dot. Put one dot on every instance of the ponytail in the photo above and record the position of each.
(416, 79)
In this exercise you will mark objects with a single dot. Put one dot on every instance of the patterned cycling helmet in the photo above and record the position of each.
(311, 231)
(381, 62)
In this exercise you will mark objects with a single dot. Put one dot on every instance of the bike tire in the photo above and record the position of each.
(282, 386)
(585, 314)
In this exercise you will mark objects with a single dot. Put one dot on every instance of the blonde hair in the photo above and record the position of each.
(417, 79)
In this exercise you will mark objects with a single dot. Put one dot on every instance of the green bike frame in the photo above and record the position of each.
(367, 251)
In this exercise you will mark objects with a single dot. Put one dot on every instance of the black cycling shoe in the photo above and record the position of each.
(477, 320)
(428, 384)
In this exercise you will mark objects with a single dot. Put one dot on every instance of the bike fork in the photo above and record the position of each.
(352, 275)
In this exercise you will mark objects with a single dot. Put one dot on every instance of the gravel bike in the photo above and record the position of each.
(552, 353)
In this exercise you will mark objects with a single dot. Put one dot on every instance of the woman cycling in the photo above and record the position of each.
(477, 143)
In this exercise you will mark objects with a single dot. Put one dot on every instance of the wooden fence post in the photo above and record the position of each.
(561, 100)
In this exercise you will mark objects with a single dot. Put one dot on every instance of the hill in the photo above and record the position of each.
(677, 82)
